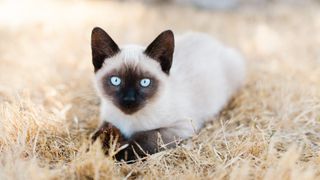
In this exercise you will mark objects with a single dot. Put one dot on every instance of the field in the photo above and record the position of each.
(48, 107)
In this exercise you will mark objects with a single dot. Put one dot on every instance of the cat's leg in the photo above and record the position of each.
(99, 131)
(106, 128)
(148, 142)
(139, 144)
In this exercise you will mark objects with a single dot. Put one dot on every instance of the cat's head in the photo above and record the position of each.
(131, 76)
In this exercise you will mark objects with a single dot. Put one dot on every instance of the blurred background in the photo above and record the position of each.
(226, 4)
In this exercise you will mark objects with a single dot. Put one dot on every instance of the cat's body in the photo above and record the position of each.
(202, 78)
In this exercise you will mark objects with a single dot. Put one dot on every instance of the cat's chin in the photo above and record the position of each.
(129, 109)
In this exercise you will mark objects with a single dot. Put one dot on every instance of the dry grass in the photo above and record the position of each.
(48, 107)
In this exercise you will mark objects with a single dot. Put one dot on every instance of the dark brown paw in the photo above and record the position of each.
(106, 131)
(140, 145)
(131, 153)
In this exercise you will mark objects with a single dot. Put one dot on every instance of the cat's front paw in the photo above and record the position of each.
(106, 131)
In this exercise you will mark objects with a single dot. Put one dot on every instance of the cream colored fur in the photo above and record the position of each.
(203, 77)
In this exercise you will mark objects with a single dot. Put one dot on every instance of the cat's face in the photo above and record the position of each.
(130, 88)
(132, 76)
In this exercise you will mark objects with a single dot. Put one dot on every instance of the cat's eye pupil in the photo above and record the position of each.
(145, 82)
(115, 80)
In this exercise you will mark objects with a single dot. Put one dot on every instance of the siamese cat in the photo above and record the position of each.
(163, 92)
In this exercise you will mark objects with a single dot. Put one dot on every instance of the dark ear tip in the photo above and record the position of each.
(168, 32)
(97, 30)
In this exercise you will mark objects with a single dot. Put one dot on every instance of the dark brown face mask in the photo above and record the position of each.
(130, 88)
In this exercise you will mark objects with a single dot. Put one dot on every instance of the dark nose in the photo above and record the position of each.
(130, 96)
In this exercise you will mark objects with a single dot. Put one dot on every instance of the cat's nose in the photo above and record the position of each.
(130, 96)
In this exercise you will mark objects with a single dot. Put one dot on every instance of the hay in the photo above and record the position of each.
(48, 107)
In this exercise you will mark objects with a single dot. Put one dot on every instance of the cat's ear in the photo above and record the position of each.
(161, 49)
(102, 47)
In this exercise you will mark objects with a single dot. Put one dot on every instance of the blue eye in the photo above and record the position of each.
(115, 80)
(145, 82)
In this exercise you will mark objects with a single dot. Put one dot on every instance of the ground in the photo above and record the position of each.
(270, 130)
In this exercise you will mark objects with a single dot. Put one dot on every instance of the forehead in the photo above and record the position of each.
(129, 72)
(130, 61)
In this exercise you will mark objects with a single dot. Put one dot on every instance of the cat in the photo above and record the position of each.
(164, 92)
